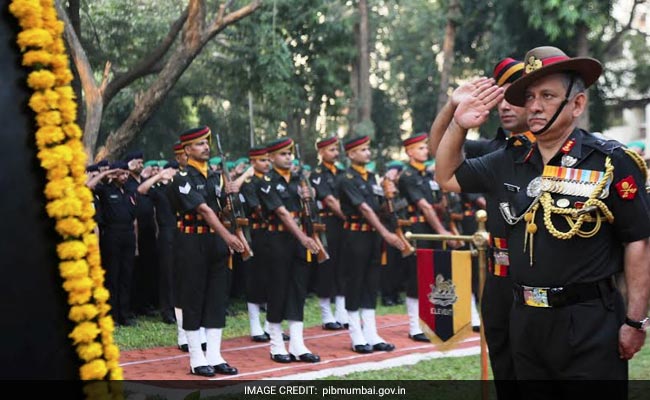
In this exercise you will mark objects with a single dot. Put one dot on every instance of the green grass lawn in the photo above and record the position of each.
(151, 332)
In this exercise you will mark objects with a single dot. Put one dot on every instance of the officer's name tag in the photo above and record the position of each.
(114, 196)
(434, 185)
(377, 190)
(511, 188)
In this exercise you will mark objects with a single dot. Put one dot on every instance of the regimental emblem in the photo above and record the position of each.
(185, 189)
(568, 161)
(533, 64)
(627, 188)
(443, 293)
(534, 187)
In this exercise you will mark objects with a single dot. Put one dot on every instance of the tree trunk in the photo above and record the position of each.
(365, 91)
(582, 44)
(353, 116)
(448, 51)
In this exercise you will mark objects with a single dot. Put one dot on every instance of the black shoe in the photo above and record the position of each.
(204, 346)
(345, 326)
(332, 326)
(387, 301)
(307, 357)
(285, 337)
(362, 348)
(260, 338)
(281, 358)
(476, 328)
(383, 346)
(420, 337)
(183, 348)
(225, 369)
(204, 370)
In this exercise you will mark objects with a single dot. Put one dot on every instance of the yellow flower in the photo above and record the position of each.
(111, 352)
(38, 103)
(37, 38)
(73, 269)
(68, 111)
(70, 227)
(48, 118)
(87, 213)
(59, 171)
(63, 76)
(60, 61)
(66, 92)
(55, 189)
(41, 80)
(116, 375)
(81, 297)
(37, 57)
(101, 294)
(92, 241)
(93, 370)
(94, 260)
(72, 131)
(22, 9)
(106, 324)
(72, 250)
(83, 313)
(84, 194)
(49, 135)
(64, 207)
(90, 351)
(55, 156)
(103, 309)
(84, 332)
(78, 285)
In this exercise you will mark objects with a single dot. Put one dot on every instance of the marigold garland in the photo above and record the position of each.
(62, 155)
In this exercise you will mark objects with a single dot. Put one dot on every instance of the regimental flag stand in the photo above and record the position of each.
(444, 289)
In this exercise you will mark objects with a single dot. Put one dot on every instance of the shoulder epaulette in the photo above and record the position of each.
(607, 146)
(638, 160)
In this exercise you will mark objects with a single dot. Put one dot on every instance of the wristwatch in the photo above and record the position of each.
(640, 325)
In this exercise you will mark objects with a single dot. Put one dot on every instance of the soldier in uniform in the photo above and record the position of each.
(360, 194)
(330, 274)
(202, 248)
(497, 295)
(290, 256)
(576, 216)
(118, 206)
(417, 186)
(256, 268)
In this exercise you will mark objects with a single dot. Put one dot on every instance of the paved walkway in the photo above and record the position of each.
(253, 361)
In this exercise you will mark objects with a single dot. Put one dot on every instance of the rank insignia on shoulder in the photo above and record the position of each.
(266, 178)
(627, 188)
(266, 189)
(185, 189)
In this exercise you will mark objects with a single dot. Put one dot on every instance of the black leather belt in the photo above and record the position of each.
(564, 295)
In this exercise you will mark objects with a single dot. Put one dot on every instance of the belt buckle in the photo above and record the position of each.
(536, 297)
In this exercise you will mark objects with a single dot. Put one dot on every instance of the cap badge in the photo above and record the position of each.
(533, 64)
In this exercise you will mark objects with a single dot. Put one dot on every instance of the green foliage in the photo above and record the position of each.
(561, 17)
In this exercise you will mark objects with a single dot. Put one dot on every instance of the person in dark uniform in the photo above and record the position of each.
(290, 257)
(257, 275)
(416, 185)
(118, 206)
(330, 274)
(145, 275)
(576, 216)
(360, 196)
(497, 295)
(156, 188)
(202, 249)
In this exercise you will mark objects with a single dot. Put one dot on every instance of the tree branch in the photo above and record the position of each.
(614, 42)
(147, 65)
(220, 23)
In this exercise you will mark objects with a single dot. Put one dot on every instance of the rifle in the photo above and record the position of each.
(314, 227)
(236, 220)
(394, 221)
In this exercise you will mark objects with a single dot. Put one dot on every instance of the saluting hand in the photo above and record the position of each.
(630, 341)
(393, 240)
(234, 243)
(465, 90)
(473, 111)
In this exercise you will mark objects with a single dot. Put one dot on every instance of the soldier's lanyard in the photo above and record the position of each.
(559, 110)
